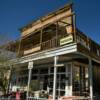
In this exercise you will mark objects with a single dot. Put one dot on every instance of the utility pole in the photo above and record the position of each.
(30, 67)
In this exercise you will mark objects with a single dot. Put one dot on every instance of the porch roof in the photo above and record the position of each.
(72, 50)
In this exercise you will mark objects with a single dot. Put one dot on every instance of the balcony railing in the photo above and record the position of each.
(49, 44)
(87, 43)
(61, 40)
(52, 43)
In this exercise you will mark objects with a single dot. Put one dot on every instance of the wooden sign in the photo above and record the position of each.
(66, 40)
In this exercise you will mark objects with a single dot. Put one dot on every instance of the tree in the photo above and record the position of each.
(3, 80)
(5, 65)
(4, 38)
(4, 77)
(5, 69)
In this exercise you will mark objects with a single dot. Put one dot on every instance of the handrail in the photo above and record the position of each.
(34, 98)
(49, 44)
(88, 43)
(52, 43)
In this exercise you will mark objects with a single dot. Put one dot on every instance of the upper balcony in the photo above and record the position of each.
(53, 31)
(53, 36)
(50, 38)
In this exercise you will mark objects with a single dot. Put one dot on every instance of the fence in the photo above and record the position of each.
(34, 98)
(30, 98)
(3, 98)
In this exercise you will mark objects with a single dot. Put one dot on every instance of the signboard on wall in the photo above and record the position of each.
(30, 65)
(66, 40)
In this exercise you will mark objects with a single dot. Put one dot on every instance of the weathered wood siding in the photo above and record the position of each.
(39, 24)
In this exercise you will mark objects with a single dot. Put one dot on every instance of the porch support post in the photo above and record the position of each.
(55, 77)
(74, 26)
(41, 35)
(10, 80)
(30, 66)
(68, 81)
(91, 77)
(56, 32)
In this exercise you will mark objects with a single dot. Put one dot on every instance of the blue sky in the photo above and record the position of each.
(16, 13)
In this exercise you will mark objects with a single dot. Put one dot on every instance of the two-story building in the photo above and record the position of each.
(60, 59)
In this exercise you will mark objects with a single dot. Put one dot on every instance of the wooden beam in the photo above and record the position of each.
(46, 22)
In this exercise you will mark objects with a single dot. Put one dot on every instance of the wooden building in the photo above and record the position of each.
(60, 58)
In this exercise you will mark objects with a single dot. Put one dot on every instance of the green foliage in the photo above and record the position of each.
(4, 66)
(3, 81)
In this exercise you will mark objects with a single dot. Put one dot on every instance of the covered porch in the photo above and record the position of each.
(63, 72)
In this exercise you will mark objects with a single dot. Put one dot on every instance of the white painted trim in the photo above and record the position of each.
(91, 77)
(55, 77)
(70, 48)
(29, 77)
